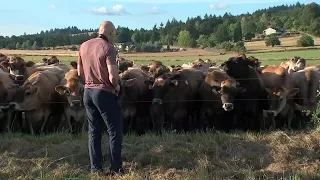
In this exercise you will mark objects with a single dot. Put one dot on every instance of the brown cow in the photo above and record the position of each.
(294, 64)
(124, 64)
(8, 89)
(135, 97)
(58, 68)
(72, 89)
(278, 83)
(52, 60)
(173, 96)
(307, 80)
(212, 113)
(157, 69)
(41, 103)
(20, 69)
(74, 64)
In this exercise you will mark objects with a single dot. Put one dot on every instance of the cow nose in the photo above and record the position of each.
(19, 77)
(227, 106)
(75, 103)
(156, 101)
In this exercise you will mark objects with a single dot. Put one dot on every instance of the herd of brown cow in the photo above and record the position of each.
(239, 94)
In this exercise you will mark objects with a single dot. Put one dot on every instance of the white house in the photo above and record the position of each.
(270, 31)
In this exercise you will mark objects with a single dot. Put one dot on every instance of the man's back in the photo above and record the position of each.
(96, 54)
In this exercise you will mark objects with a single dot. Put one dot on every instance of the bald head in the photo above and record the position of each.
(108, 29)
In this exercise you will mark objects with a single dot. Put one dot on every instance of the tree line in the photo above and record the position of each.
(227, 31)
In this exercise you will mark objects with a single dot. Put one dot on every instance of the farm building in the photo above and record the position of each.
(271, 30)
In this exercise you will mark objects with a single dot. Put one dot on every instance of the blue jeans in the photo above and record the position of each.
(102, 106)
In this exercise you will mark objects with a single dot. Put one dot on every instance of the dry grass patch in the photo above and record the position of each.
(170, 156)
(287, 43)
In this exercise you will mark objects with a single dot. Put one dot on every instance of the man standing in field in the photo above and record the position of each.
(97, 64)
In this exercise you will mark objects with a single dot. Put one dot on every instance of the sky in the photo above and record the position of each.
(31, 16)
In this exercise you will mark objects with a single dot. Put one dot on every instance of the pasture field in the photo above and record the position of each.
(267, 58)
(211, 155)
(203, 156)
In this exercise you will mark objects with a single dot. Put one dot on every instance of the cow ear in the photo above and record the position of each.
(30, 63)
(61, 89)
(293, 92)
(129, 83)
(5, 64)
(174, 82)
(35, 89)
(215, 91)
(149, 83)
(268, 90)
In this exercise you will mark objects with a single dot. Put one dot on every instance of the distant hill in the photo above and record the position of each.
(207, 31)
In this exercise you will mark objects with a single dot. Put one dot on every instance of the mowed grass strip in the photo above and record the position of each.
(290, 155)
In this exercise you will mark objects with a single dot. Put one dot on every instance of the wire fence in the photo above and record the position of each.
(172, 101)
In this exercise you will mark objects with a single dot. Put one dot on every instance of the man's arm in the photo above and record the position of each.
(79, 66)
(112, 67)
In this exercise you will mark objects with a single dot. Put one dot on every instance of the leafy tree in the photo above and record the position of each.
(18, 46)
(314, 28)
(203, 40)
(237, 32)
(28, 44)
(305, 41)
(248, 28)
(35, 45)
(272, 41)
(184, 39)
(136, 37)
(222, 33)
(24, 45)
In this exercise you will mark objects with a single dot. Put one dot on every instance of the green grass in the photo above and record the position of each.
(173, 156)
(270, 58)
(272, 155)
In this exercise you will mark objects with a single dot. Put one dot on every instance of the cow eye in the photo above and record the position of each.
(28, 93)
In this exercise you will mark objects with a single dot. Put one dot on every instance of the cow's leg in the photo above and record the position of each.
(17, 121)
(30, 125)
(158, 118)
(24, 123)
(66, 121)
(203, 119)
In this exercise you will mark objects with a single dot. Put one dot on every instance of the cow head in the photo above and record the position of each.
(230, 89)
(278, 98)
(293, 64)
(145, 69)
(52, 60)
(27, 97)
(236, 67)
(300, 64)
(17, 67)
(74, 64)
(73, 89)
(124, 64)
(163, 83)
(254, 62)
(157, 69)
(126, 88)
